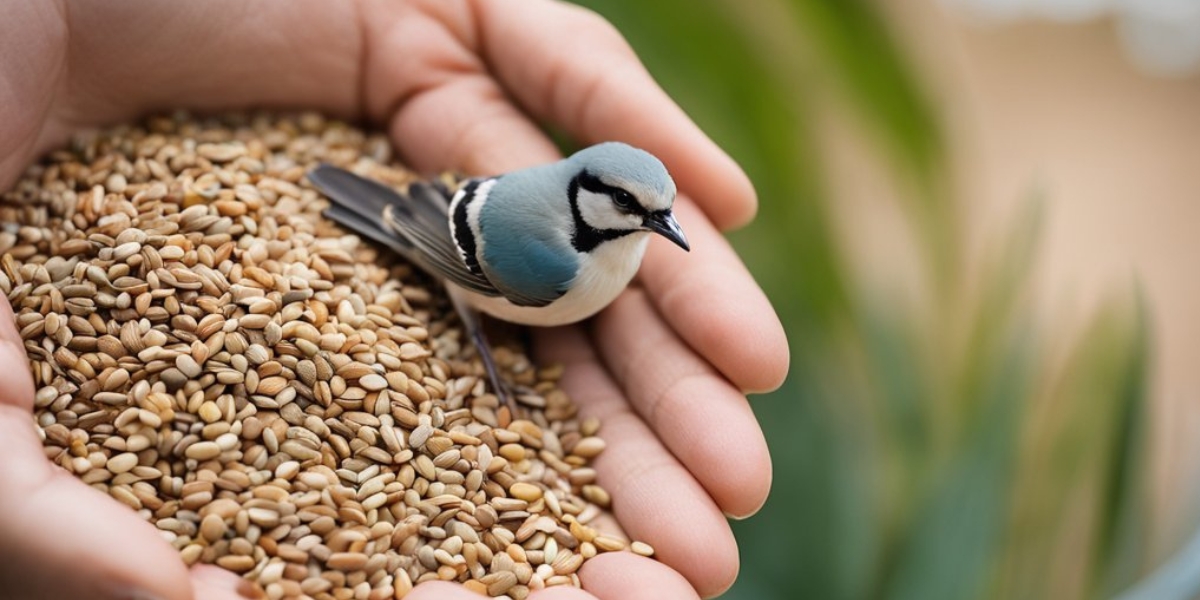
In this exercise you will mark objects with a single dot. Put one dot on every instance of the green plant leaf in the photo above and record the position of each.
(955, 450)
(949, 550)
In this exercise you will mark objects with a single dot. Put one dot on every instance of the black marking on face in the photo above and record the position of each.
(585, 238)
(624, 201)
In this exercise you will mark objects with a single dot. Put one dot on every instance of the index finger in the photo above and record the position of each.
(712, 301)
(607, 95)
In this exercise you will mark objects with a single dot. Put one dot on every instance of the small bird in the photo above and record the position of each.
(547, 245)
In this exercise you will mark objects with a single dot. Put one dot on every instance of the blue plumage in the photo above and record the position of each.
(527, 267)
(526, 250)
(625, 163)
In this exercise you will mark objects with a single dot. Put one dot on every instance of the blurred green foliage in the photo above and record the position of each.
(951, 448)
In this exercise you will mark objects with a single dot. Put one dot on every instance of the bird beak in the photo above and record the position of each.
(664, 224)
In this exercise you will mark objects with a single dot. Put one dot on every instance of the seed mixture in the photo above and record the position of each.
(277, 396)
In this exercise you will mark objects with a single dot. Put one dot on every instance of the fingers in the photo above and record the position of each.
(60, 538)
(702, 420)
(712, 301)
(567, 65)
(445, 79)
(656, 499)
(565, 592)
(32, 42)
(442, 590)
(425, 78)
(52, 523)
(467, 125)
(627, 576)
(624, 577)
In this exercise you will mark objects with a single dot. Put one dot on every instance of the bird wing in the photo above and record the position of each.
(534, 274)
(527, 254)
(414, 224)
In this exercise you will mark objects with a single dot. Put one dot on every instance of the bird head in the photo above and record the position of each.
(618, 188)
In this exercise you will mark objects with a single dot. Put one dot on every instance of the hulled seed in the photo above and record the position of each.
(277, 397)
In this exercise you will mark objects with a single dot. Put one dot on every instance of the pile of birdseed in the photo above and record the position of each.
(276, 396)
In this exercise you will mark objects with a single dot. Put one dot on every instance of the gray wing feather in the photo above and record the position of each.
(414, 225)
(368, 229)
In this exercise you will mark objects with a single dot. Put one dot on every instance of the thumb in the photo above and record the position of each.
(60, 538)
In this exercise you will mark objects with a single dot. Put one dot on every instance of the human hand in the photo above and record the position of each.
(454, 81)
(61, 539)
(663, 366)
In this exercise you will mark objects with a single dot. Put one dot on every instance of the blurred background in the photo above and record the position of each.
(979, 226)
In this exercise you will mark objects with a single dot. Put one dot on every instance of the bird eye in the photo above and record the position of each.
(624, 200)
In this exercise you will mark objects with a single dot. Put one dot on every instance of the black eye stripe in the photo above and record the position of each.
(593, 184)
(624, 200)
(585, 238)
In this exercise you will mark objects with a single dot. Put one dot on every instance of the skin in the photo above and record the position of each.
(459, 84)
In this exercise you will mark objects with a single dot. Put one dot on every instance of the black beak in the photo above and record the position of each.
(664, 224)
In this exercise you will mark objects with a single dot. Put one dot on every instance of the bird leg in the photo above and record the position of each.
(489, 365)
(473, 323)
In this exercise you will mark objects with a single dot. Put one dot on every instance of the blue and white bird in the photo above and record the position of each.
(547, 245)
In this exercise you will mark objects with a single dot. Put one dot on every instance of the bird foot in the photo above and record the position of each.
(502, 390)
(473, 323)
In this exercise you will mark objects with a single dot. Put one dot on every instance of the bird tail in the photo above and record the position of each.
(415, 224)
(358, 205)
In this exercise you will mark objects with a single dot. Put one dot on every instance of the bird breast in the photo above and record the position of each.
(603, 274)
